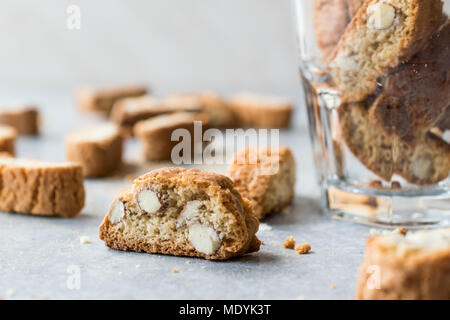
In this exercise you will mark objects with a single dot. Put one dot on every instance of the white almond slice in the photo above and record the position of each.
(204, 238)
(148, 201)
(117, 212)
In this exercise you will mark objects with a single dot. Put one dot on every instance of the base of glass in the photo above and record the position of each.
(388, 209)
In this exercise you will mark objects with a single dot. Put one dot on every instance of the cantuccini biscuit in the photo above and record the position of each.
(182, 212)
(25, 119)
(219, 112)
(97, 149)
(156, 133)
(8, 137)
(416, 95)
(330, 18)
(127, 112)
(383, 34)
(415, 266)
(41, 188)
(261, 111)
(264, 176)
(423, 161)
(102, 99)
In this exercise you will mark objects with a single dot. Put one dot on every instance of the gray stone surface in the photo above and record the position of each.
(37, 253)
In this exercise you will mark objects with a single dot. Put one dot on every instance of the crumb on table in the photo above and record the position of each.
(303, 248)
(332, 286)
(175, 270)
(289, 243)
(84, 239)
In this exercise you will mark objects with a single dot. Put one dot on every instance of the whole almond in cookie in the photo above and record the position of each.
(97, 149)
(41, 188)
(183, 212)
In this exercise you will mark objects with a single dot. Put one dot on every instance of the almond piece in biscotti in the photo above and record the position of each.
(402, 265)
(163, 214)
(98, 149)
(41, 188)
(381, 36)
(23, 118)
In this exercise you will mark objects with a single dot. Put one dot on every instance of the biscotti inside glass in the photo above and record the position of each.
(376, 80)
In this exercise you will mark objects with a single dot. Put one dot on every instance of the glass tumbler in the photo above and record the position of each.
(376, 82)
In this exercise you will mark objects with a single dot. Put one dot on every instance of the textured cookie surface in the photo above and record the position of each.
(98, 149)
(265, 177)
(406, 267)
(426, 160)
(41, 188)
(416, 96)
(184, 212)
(381, 36)
(261, 111)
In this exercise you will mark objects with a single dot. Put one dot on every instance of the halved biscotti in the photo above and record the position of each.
(41, 188)
(423, 161)
(415, 266)
(8, 137)
(24, 118)
(383, 34)
(127, 112)
(97, 149)
(261, 111)
(265, 176)
(416, 95)
(156, 133)
(182, 212)
(102, 99)
(219, 112)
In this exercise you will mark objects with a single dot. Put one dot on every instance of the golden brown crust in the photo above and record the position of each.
(40, 188)
(416, 96)
(215, 186)
(102, 100)
(426, 160)
(98, 157)
(25, 119)
(258, 111)
(364, 54)
(155, 133)
(8, 137)
(414, 277)
(268, 193)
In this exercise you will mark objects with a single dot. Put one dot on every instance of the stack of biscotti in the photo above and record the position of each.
(390, 62)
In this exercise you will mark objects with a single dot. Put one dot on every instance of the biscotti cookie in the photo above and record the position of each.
(25, 119)
(264, 176)
(330, 18)
(41, 188)
(261, 111)
(155, 133)
(424, 161)
(8, 137)
(219, 112)
(127, 112)
(416, 96)
(98, 149)
(383, 34)
(182, 212)
(415, 266)
(102, 99)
